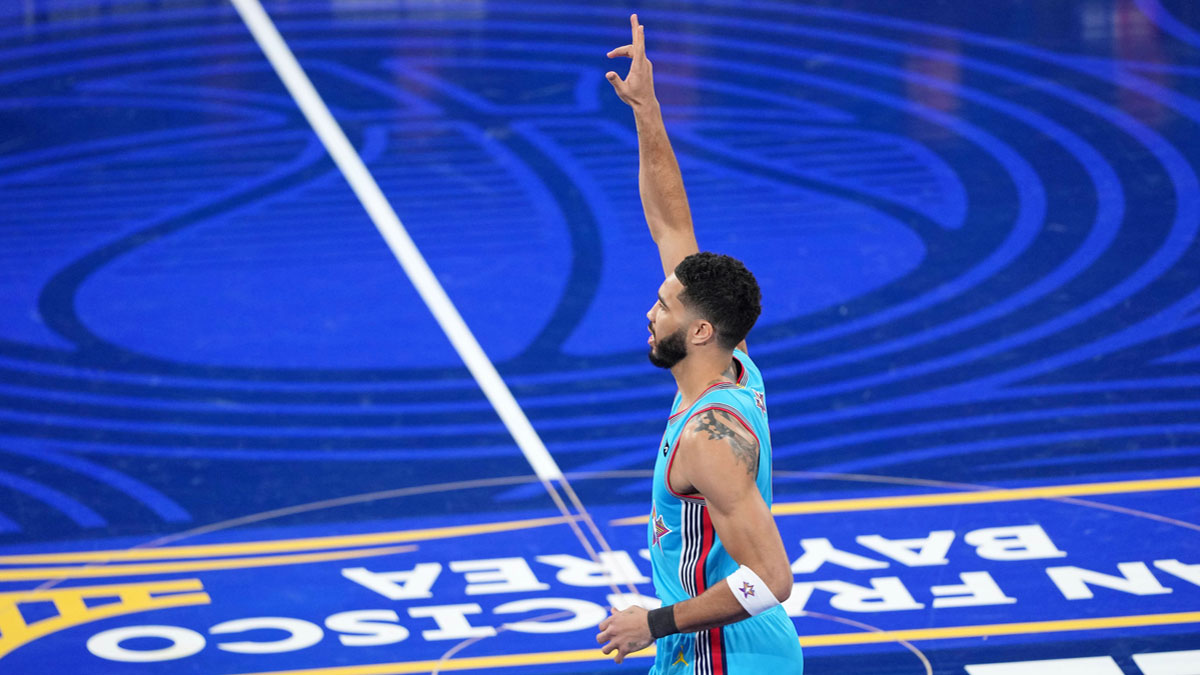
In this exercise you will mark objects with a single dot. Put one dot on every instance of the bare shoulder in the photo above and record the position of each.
(718, 439)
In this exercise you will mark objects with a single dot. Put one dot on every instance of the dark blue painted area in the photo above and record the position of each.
(310, 255)
(1029, 591)
(975, 226)
(804, 270)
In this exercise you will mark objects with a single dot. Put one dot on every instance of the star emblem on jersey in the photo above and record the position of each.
(660, 528)
(747, 589)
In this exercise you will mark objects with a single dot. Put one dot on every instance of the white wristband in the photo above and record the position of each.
(750, 591)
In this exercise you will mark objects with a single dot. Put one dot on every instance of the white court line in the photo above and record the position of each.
(388, 223)
(402, 246)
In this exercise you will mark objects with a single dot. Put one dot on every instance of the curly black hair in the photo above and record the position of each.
(722, 291)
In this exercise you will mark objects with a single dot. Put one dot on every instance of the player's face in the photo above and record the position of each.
(668, 329)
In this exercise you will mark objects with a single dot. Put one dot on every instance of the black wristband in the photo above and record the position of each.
(662, 621)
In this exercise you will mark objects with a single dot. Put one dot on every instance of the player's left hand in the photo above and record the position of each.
(625, 632)
(637, 89)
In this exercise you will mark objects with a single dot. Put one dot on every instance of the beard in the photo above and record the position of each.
(668, 351)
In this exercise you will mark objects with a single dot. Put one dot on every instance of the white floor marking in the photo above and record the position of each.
(1169, 663)
(1097, 665)
(402, 246)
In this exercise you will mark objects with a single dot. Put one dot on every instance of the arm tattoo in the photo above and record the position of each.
(745, 450)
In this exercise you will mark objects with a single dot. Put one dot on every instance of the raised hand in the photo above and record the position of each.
(659, 182)
(637, 89)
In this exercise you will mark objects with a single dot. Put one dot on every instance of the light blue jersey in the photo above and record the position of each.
(687, 556)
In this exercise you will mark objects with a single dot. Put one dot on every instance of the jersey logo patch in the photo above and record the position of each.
(747, 589)
(680, 659)
(660, 528)
(760, 401)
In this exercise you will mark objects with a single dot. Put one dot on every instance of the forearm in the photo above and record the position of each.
(660, 183)
(714, 607)
(739, 596)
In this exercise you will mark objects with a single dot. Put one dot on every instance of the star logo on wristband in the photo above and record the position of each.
(747, 589)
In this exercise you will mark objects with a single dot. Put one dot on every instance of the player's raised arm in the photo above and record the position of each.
(659, 181)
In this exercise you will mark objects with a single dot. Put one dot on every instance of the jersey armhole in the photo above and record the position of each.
(667, 474)
(744, 372)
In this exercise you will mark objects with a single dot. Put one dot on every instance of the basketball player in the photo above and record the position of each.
(718, 562)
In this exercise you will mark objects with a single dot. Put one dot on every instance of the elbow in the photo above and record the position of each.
(780, 582)
(776, 575)
(783, 589)
(661, 228)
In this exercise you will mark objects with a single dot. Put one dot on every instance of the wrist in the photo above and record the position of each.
(649, 108)
(662, 622)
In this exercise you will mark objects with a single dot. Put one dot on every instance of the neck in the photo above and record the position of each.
(700, 370)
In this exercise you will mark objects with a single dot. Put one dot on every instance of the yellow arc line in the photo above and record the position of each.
(969, 497)
(157, 587)
(578, 655)
(791, 508)
(277, 546)
(472, 663)
(991, 496)
(1031, 627)
(86, 572)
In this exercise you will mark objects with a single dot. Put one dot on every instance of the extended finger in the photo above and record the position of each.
(624, 50)
(639, 40)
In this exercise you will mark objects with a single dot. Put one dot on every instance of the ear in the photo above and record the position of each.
(702, 332)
